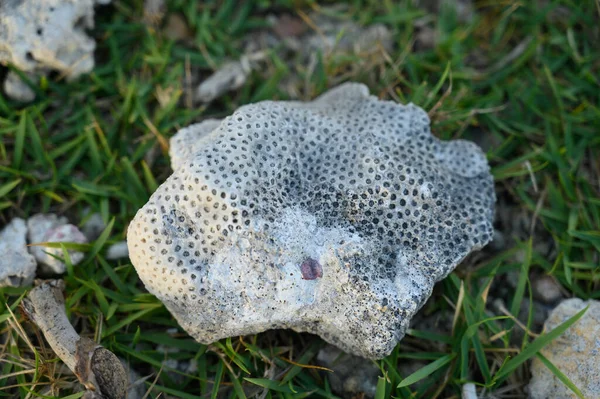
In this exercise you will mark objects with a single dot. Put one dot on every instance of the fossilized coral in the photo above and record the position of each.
(347, 190)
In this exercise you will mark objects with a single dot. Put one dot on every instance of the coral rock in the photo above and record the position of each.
(334, 217)
(188, 141)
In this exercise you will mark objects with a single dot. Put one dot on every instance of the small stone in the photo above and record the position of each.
(136, 388)
(230, 76)
(498, 242)
(154, 11)
(352, 375)
(117, 250)
(546, 289)
(469, 391)
(288, 26)
(177, 28)
(50, 228)
(93, 227)
(426, 38)
(576, 353)
(17, 266)
(335, 217)
(181, 366)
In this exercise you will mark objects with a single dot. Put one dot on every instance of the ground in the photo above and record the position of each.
(519, 78)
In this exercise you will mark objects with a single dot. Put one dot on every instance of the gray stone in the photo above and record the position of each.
(17, 266)
(40, 36)
(345, 36)
(469, 391)
(50, 228)
(546, 289)
(334, 217)
(351, 375)
(93, 226)
(230, 76)
(118, 250)
(576, 353)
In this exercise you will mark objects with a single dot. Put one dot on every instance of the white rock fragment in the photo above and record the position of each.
(50, 228)
(17, 266)
(40, 36)
(93, 227)
(17, 89)
(136, 388)
(576, 353)
(334, 217)
(230, 76)
(469, 391)
(301, 45)
(546, 289)
(154, 11)
(117, 250)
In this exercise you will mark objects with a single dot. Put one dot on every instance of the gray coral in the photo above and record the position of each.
(335, 217)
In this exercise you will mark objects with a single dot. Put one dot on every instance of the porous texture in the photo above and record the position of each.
(334, 217)
(50, 228)
(41, 36)
(17, 266)
(188, 141)
(576, 353)
(117, 250)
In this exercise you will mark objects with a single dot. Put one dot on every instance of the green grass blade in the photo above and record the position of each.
(99, 243)
(559, 374)
(427, 370)
(535, 346)
(381, 391)
(8, 187)
(20, 140)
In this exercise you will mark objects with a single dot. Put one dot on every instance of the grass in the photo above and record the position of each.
(521, 80)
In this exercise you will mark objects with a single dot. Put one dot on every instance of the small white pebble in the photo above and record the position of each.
(50, 228)
(118, 250)
(546, 289)
(469, 391)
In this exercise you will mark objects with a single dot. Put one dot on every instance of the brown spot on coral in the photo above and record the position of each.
(311, 269)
